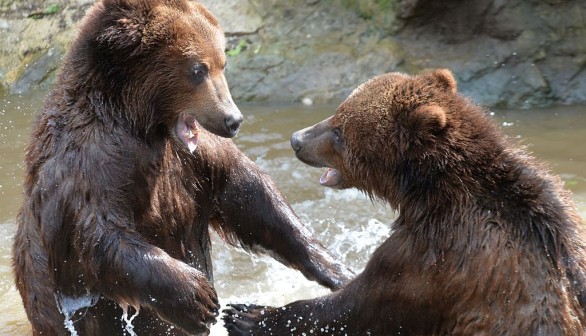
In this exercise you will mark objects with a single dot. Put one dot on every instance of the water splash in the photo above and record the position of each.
(68, 305)
(128, 326)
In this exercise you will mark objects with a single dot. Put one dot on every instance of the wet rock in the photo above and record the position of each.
(512, 53)
(237, 17)
(519, 85)
(566, 76)
(38, 71)
(576, 92)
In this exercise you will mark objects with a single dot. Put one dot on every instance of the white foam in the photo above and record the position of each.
(68, 305)
(128, 326)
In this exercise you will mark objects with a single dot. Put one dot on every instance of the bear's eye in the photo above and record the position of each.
(338, 141)
(199, 72)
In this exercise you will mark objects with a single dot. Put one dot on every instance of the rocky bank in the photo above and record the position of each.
(515, 53)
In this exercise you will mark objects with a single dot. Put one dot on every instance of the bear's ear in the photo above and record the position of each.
(421, 125)
(444, 79)
(429, 117)
(124, 34)
(124, 24)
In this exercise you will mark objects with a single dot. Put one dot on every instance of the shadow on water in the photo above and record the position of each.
(346, 221)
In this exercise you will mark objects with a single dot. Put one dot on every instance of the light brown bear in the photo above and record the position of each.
(487, 242)
(127, 169)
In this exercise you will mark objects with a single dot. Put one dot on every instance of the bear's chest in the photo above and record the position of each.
(174, 209)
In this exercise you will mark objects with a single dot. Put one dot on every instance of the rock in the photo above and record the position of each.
(307, 101)
(237, 17)
(577, 94)
(37, 70)
(566, 75)
(510, 53)
(519, 85)
(4, 25)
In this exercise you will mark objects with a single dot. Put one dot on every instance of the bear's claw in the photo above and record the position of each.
(244, 319)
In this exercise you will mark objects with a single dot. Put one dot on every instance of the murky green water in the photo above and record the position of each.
(346, 221)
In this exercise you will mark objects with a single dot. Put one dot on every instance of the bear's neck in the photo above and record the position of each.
(463, 164)
(96, 88)
(116, 108)
(509, 191)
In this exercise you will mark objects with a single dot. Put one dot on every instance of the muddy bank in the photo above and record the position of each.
(516, 53)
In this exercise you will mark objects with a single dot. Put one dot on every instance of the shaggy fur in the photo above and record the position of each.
(487, 242)
(117, 208)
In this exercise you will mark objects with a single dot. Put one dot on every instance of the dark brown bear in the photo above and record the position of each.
(486, 243)
(123, 181)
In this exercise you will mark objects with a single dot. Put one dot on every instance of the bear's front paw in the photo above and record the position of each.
(247, 319)
(195, 306)
(207, 305)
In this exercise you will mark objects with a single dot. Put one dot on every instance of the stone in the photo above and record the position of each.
(37, 71)
(237, 17)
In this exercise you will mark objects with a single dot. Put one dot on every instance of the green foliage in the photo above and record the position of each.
(384, 4)
(50, 10)
(238, 48)
(382, 13)
(368, 9)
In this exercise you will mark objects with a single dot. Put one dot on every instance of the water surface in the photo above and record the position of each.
(346, 221)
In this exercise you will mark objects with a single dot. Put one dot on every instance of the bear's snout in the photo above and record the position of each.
(233, 123)
(296, 141)
(310, 144)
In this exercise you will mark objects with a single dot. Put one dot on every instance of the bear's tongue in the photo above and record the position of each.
(330, 178)
(187, 131)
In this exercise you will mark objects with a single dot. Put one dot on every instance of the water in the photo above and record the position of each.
(128, 326)
(346, 221)
(70, 306)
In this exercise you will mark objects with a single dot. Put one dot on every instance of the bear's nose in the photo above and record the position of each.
(296, 141)
(233, 123)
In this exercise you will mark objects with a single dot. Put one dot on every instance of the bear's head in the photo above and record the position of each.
(158, 63)
(395, 134)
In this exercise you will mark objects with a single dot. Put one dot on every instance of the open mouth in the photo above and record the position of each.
(187, 131)
(331, 178)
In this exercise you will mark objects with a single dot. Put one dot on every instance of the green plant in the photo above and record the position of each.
(237, 49)
(50, 10)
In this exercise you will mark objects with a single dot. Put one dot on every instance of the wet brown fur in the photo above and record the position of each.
(487, 241)
(116, 207)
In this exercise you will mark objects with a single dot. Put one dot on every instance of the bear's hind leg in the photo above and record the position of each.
(37, 290)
